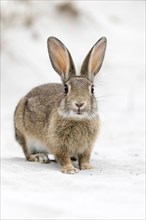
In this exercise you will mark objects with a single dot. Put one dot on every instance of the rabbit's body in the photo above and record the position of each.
(57, 119)
(49, 129)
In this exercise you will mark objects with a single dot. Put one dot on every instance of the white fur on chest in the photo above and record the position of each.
(35, 146)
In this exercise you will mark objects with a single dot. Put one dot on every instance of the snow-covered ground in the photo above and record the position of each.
(115, 188)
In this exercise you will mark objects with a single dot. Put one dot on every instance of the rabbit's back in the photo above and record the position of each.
(33, 111)
(48, 90)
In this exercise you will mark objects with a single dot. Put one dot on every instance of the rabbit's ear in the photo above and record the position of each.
(60, 58)
(93, 61)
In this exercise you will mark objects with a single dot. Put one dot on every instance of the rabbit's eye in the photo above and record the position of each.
(65, 89)
(92, 89)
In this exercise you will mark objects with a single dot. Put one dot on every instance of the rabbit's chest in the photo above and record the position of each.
(76, 136)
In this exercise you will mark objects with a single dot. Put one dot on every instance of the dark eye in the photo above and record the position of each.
(65, 89)
(92, 89)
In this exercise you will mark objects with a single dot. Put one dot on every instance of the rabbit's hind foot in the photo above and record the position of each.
(40, 157)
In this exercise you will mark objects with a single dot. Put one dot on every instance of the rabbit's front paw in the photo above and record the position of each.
(69, 170)
(86, 166)
(43, 158)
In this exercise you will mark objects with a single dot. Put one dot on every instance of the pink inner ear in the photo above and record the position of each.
(96, 57)
(59, 57)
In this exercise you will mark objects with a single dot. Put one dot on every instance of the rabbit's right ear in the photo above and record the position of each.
(61, 59)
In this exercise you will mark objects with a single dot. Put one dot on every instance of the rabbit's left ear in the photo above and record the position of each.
(93, 61)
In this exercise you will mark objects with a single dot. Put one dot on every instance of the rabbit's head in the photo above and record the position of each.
(79, 100)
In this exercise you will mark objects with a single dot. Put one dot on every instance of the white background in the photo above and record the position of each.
(115, 188)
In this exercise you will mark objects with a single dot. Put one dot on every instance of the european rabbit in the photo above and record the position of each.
(62, 119)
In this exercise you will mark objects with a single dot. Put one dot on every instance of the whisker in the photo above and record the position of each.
(102, 101)
(92, 116)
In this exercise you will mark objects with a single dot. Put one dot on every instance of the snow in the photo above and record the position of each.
(115, 188)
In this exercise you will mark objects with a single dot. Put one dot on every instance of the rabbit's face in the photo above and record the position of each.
(79, 100)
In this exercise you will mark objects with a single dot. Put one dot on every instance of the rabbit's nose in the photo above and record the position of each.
(79, 105)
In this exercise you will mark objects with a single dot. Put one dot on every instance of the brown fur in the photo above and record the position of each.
(51, 118)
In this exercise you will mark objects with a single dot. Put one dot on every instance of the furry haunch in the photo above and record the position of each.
(62, 119)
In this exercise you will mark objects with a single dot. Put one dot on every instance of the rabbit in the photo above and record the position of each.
(62, 119)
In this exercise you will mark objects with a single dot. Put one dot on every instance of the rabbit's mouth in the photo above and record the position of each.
(78, 115)
(79, 112)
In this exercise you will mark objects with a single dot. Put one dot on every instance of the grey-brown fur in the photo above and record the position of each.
(48, 120)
